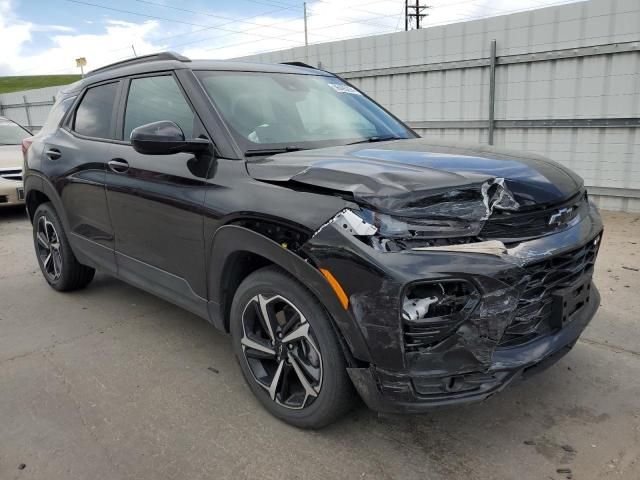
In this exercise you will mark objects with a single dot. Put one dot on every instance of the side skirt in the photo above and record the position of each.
(161, 283)
(139, 274)
(93, 254)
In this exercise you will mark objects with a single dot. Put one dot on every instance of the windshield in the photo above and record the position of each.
(291, 111)
(11, 133)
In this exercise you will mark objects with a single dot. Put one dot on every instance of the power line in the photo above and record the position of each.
(244, 43)
(223, 24)
(355, 8)
(172, 20)
(350, 37)
(219, 27)
(349, 22)
(232, 20)
(400, 17)
(310, 4)
(500, 12)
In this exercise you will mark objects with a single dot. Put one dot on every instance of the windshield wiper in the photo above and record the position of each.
(378, 139)
(257, 152)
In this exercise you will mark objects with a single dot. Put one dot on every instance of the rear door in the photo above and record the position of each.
(74, 159)
(156, 201)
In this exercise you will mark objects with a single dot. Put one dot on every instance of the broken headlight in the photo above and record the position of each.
(393, 233)
(408, 227)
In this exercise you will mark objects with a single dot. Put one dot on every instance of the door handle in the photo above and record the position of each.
(53, 153)
(118, 165)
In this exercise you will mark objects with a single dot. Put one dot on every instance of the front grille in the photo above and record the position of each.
(536, 223)
(11, 174)
(533, 314)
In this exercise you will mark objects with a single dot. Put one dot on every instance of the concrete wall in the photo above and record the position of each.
(579, 63)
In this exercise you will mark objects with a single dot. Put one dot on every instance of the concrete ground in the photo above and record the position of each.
(112, 383)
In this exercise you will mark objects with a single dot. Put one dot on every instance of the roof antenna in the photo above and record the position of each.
(134, 50)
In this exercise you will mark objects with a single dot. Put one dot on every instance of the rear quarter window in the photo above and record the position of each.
(55, 115)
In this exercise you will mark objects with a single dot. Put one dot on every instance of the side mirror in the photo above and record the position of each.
(164, 138)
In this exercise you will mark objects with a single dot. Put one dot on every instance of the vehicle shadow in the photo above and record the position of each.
(13, 213)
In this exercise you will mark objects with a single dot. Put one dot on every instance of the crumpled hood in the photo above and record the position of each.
(11, 156)
(402, 175)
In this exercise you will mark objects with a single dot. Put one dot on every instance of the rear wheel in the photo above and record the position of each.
(58, 264)
(288, 350)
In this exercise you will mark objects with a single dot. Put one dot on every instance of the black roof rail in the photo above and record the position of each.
(298, 64)
(142, 59)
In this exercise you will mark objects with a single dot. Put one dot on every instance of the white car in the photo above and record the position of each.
(11, 137)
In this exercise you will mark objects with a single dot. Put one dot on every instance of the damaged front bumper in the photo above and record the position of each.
(505, 315)
(393, 392)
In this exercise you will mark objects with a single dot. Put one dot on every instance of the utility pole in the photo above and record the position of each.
(416, 13)
(306, 37)
(406, 15)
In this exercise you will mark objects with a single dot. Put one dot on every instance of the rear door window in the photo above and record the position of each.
(152, 99)
(94, 114)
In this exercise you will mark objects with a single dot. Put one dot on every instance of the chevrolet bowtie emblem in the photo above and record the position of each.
(561, 216)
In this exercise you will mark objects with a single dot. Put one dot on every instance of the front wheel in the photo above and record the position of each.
(288, 350)
(58, 264)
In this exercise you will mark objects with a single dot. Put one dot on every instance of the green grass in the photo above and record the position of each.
(16, 84)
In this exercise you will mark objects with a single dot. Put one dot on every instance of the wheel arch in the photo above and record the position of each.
(39, 190)
(237, 251)
(33, 200)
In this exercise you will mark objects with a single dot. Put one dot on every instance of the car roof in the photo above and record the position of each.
(170, 61)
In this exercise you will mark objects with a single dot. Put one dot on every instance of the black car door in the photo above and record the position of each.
(74, 159)
(156, 201)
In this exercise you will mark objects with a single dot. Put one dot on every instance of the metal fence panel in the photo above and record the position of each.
(29, 108)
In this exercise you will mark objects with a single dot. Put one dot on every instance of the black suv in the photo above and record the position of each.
(340, 250)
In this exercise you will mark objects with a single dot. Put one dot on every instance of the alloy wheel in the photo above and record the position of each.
(48, 244)
(280, 349)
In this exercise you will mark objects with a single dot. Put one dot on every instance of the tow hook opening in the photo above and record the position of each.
(463, 384)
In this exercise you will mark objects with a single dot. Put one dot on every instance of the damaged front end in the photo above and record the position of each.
(487, 212)
(460, 292)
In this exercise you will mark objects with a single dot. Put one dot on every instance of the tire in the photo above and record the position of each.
(308, 349)
(58, 264)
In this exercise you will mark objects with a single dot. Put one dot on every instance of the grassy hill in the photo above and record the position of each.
(16, 84)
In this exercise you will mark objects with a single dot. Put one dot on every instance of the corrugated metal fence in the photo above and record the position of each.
(566, 81)
(29, 108)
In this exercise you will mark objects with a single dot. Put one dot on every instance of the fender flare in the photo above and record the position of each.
(230, 239)
(35, 182)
